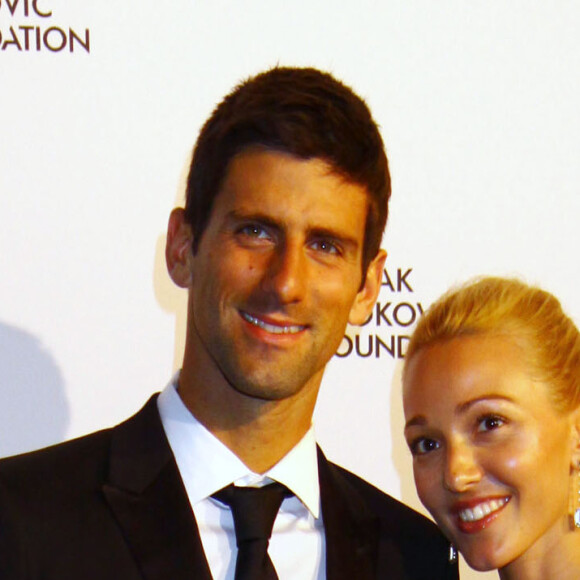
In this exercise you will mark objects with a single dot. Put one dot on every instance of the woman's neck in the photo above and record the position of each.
(562, 562)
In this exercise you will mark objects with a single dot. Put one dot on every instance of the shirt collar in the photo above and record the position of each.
(194, 446)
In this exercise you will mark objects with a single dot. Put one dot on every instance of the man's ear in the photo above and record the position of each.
(178, 249)
(369, 292)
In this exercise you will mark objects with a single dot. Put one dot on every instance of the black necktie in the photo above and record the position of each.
(254, 510)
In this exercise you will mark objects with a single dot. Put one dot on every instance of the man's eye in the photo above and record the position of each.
(254, 231)
(422, 446)
(326, 246)
(489, 423)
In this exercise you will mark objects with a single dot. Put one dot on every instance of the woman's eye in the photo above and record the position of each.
(489, 423)
(423, 446)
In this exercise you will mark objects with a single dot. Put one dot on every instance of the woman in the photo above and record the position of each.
(492, 406)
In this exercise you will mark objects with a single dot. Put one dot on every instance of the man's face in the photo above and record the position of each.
(277, 275)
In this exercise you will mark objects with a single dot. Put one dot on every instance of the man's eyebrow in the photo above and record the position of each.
(337, 235)
(416, 421)
(240, 216)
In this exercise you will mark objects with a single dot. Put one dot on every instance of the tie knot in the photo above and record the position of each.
(254, 509)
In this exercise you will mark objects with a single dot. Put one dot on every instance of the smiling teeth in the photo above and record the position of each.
(482, 510)
(274, 329)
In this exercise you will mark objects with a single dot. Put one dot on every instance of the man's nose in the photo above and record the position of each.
(286, 273)
(462, 469)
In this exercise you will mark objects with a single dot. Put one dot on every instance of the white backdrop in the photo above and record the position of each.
(100, 106)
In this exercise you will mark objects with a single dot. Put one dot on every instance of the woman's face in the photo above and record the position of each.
(491, 455)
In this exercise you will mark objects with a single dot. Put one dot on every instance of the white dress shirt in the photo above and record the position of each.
(206, 465)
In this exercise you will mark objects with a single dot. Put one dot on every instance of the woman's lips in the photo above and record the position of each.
(476, 515)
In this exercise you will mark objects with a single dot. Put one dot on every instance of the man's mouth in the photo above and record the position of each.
(482, 510)
(272, 328)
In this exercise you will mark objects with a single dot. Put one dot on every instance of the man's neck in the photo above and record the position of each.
(258, 431)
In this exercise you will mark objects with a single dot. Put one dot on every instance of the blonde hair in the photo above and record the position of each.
(530, 316)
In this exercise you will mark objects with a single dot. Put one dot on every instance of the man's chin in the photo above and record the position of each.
(265, 391)
(269, 384)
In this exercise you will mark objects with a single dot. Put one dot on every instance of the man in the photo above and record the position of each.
(279, 247)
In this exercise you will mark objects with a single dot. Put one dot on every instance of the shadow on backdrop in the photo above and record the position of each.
(400, 453)
(34, 411)
(172, 299)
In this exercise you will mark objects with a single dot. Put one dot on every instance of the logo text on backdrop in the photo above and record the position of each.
(390, 320)
(30, 28)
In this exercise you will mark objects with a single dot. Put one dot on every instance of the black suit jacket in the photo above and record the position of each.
(112, 505)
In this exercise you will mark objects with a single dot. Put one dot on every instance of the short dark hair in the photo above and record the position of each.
(303, 112)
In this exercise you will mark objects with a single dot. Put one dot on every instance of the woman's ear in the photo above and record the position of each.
(575, 439)
(178, 249)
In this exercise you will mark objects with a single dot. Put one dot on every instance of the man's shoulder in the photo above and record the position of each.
(392, 512)
(59, 505)
(410, 545)
(78, 458)
(84, 458)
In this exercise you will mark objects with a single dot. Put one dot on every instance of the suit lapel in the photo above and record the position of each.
(149, 501)
(351, 530)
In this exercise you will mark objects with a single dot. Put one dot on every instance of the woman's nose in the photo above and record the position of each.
(462, 469)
